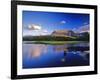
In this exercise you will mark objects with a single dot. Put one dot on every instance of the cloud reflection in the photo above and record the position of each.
(37, 50)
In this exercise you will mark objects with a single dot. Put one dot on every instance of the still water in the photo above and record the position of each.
(45, 55)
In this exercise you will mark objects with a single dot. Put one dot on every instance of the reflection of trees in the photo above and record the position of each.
(73, 49)
(64, 58)
(37, 50)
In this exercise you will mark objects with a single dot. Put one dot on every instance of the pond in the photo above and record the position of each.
(61, 55)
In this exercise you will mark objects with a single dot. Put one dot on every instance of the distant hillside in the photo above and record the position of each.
(60, 35)
(69, 33)
(47, 38)
(63, 33)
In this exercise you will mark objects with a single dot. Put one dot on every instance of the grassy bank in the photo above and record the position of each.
(52, 42)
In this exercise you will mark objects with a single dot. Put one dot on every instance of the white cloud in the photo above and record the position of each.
(85, 23)
(35, 30)
(34, 27)
(45, 31)
(63, 22)
(84, 28)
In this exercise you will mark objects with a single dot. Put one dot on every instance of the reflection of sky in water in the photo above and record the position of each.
(41, 55)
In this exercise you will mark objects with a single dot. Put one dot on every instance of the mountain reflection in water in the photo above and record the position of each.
(44, 55)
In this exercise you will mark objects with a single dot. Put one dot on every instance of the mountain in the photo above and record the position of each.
(63, 33)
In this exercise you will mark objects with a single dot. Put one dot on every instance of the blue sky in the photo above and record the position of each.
(50, 21)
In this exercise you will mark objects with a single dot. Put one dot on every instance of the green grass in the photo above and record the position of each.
(52, 42)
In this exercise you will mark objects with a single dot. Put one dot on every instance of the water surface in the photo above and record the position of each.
(46, 55)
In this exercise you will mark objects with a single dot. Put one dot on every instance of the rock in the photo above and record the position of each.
(63, 33)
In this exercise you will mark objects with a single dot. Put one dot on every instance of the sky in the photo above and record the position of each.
(46, 22)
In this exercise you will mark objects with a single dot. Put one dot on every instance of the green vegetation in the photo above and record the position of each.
(47, 38)
(52, 42)
(85, 37)
(55, 38)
